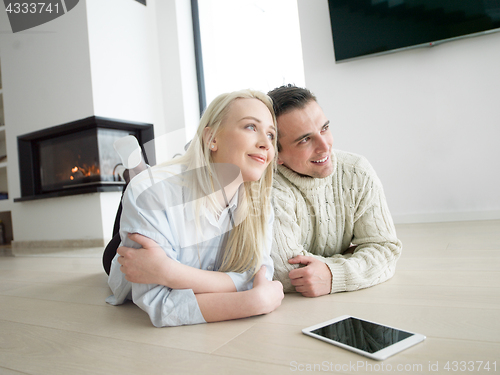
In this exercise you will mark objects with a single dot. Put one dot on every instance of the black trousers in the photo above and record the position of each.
(110, 250)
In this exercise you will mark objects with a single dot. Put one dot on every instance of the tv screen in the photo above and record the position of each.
(367, 27)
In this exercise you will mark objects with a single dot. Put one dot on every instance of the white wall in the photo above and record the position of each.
(109, 58)
(125, 68)
(46, 82)
(427, 119)
(124, 61)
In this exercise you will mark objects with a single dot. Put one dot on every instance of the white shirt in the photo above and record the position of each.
(156, 205)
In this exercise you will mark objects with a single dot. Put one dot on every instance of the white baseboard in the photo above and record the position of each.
(44, 247)
(437, 217)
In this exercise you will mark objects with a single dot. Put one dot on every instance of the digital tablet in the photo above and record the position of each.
(367, 338)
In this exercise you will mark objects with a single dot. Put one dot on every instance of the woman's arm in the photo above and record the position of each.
(147, 263)
(263, 298)
(150, 265)
(173, 307)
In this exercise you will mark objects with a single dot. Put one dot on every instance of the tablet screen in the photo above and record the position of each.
(362, 335)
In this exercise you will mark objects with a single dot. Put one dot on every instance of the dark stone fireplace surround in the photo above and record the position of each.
(29, 155)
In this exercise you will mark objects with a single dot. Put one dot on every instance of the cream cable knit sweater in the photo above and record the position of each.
(321, 217)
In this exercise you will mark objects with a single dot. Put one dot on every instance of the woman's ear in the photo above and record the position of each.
(208, 140)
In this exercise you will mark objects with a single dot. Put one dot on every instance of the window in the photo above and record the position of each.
(249, 44)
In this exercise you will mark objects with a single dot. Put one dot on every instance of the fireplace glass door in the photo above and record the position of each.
(79, 159)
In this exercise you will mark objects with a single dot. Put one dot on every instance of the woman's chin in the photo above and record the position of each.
(252, 177)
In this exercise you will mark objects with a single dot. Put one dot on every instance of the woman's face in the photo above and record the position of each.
(245, 138)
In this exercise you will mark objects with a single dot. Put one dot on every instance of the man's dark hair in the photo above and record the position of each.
(289, 97)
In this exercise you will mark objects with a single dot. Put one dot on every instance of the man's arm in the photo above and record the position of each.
(198, 295)
(378, 249)
(150, 265)
(375, 247)
(370, 262)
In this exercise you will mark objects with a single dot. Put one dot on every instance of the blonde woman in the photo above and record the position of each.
(206, 211)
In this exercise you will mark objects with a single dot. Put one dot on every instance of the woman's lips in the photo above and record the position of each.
(259, 158)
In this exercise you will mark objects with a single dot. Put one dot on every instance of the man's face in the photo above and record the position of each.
(306, 141)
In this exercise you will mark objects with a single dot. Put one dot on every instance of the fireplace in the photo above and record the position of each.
(76, 158)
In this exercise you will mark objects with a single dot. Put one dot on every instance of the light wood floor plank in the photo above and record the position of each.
(63, 293)
(96, 278)
(284, 345)
(7, 371)
(444, 296)
(449, 264)
(72, 265)
(39, 350)
(439, 322)
(447, 278)
(126, 322)
(54, 320)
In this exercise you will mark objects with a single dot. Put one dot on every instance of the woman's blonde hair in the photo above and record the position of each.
(246, 240)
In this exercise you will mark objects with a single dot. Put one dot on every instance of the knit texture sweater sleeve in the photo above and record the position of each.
(323, 217)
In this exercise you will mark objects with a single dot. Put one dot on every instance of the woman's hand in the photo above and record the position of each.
(147, 265)
(263, 298)
(268, 294)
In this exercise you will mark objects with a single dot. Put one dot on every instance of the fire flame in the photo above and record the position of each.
(85, 171)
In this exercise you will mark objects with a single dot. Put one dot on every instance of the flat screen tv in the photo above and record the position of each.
(369, 27)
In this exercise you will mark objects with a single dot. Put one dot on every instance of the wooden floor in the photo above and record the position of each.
(53, 318)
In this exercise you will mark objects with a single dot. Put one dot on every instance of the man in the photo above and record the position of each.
(333, 231)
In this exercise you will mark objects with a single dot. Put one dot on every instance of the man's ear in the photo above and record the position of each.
(281, 162)
(207, 136)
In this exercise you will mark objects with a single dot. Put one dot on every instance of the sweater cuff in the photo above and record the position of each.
(338, 277)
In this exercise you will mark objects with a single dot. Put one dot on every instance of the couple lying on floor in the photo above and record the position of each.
(259, 204)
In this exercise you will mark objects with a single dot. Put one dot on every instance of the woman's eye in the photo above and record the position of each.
(251, 126)
(271, 136)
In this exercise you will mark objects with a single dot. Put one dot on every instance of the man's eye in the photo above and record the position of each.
(304, 140)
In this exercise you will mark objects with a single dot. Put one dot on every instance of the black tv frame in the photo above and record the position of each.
(361, 29)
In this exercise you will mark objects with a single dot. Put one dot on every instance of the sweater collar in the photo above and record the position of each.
(307, 182)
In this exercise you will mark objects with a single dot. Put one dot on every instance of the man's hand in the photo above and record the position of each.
(313, 280)
(148, 265)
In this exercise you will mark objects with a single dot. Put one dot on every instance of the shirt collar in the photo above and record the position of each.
(190, 208)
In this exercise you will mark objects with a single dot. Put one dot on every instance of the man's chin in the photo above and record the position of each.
(324, 171)
(314, 171)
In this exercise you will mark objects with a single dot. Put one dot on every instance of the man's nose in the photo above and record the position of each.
(323, 144)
